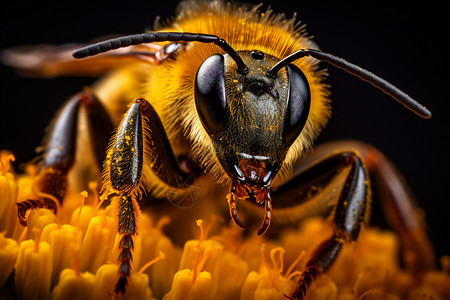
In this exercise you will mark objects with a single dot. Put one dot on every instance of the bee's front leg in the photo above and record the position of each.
(139, 146)
(123, 177)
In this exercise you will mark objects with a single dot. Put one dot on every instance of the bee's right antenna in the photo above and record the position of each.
(364, 74)
(150, 37)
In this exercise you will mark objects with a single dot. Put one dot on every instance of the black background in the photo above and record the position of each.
(403, 43)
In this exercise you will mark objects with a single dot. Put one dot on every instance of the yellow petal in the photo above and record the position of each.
(250, 285)
(183, 286)
(38, 219)
(105, 280)
(81, 220)
(8, 210)
(33, 270)
(74, 287)
(162, 273)
(62, 241)
(232, 273)
(8, 256)
(193, 250)
(323, 289)
(98, 243)
(155, 241)
(266, 291)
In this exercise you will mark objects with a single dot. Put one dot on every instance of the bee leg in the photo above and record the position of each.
(320, 169)
(127, 214)
(100, 126)
(125, 162)
(398, 204)
(349, 214)
(140, 141)
(60, 148)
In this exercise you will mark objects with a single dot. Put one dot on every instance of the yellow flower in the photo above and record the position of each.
(74, 254)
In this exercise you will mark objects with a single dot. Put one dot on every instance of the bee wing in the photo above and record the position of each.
(57, 60)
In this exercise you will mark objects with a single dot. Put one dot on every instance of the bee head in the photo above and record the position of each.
(251, 116)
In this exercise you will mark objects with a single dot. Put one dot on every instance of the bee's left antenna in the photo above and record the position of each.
(150, 37)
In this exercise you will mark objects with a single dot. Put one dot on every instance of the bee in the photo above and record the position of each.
(230, 97)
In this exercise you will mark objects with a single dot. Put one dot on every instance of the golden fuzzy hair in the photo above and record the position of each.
(170, 85)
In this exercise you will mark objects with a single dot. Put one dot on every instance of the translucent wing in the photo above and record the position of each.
(57, 60)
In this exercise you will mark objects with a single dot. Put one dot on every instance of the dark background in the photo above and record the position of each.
(402, 43)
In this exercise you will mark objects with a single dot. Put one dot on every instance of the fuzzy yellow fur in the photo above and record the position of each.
(169, 86)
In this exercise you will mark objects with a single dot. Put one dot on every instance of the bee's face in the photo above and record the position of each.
(252, 118)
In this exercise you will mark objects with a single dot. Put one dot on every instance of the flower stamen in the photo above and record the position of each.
(199, 263)
(357, 283)
(158, 258)
(202, 237)
(84, 195)
(263, 258)
(288, 274)
(76, 258)
(93, 187)
(37, 239)
(162, 222)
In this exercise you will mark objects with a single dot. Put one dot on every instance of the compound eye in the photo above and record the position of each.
(299, 101)
(210, 93)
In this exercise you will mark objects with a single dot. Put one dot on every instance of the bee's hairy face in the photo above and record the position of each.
(251, 117)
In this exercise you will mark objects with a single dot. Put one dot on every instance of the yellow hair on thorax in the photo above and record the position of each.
(170, 86)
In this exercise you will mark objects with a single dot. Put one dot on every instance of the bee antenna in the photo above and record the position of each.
(150, 37)
(364, 74)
